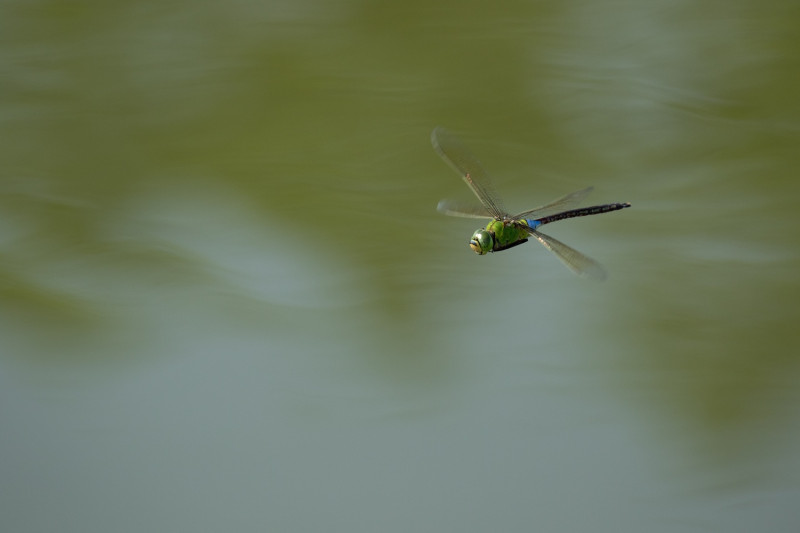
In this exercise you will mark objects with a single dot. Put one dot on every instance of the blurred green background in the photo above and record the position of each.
(227, 301)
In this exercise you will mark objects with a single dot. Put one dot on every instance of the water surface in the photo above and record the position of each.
(228, 301)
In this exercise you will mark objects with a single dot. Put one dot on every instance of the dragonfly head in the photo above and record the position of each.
(482, 242)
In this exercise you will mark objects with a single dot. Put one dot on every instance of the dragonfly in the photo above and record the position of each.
(505, 231)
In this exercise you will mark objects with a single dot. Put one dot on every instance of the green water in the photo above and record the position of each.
(227, 301)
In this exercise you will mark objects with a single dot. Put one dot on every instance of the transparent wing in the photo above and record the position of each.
(455, 209)
(458, 157)
(564, 203)
(574, 260)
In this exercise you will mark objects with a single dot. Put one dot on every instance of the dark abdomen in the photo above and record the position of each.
(583, 212)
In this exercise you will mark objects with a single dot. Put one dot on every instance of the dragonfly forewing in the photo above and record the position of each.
(459, 158)
(455, 209)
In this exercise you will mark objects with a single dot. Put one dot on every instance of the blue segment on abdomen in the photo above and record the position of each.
(533, 223)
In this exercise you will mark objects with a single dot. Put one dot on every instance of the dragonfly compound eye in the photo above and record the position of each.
(481, 242)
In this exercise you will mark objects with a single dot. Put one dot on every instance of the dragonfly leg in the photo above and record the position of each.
(513, 244)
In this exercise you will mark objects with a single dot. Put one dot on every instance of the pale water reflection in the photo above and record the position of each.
(228, 301)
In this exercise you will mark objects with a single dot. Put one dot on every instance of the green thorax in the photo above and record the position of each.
(498, 236)
(506, 234)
